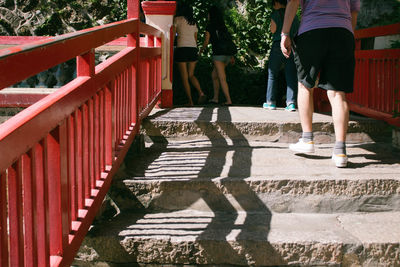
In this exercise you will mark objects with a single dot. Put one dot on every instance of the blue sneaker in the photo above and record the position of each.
(291, 107)
(269, 106)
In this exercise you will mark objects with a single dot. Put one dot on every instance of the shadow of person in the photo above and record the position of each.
(377, 154)
(236, 226)
(244, 236)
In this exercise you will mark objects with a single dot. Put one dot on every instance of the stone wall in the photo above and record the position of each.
(41, 17)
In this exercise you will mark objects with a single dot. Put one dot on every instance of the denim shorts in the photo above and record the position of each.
(223, 58)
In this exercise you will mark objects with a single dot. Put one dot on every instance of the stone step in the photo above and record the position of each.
(255, 123)
(260, 238)
(218, 176)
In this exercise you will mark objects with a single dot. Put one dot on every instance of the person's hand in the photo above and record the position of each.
(232, 60)
(286, 45)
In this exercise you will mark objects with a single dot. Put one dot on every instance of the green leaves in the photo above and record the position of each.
(248, 21)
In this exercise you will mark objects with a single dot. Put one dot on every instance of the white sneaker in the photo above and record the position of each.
(303, 147)
(340, 160)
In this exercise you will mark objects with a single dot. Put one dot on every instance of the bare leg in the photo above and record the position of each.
(306, 107)
(185, 81)
(215, 81)
(220, 66)
(193, 79)
(340, 113)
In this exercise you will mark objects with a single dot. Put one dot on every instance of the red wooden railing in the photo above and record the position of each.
(57, 157)
(377, 79)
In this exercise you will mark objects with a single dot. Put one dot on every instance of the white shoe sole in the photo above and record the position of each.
(340, 162)
(300, 150)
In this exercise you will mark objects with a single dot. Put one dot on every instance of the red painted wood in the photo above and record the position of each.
(19, 40)
(83, 117)
(4, 248)
(133, 9)
(15, 215)
(80, 192)
(101, 132)
(71, 167)
(109, 130)
(53, 177)
(86, 154)
(13, 60)
(378, 31)
(85, 64)
(90, 140)
(159, 7)
(64, 184)
(19, 100)
(166, 99)
(41, 211)
(29, 198)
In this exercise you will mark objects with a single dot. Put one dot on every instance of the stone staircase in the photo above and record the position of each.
(217, 186)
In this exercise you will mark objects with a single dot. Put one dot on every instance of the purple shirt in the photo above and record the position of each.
(318, 14)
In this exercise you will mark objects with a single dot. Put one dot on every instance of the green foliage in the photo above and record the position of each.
(378, 13)
(51, 26)
(7, 27)
(246, 87)
(395, 44)
(248, 22)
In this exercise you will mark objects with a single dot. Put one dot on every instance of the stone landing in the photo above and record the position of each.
(218, 194)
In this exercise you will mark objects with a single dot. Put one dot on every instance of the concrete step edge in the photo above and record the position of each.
(261, 239)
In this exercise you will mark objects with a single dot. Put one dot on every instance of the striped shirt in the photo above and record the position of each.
(318, 14)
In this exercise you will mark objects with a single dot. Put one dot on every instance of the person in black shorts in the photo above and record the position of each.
(324, 51)
(186, 51)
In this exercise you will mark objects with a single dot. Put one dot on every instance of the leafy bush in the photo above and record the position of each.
(248, 22)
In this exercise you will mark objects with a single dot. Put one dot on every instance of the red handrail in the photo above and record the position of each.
(377, 78)
(376, 81)
(58, 155)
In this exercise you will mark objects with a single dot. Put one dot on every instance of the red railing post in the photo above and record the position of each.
(4, 255)
(59, 155)
(16, 230)
(85, 64)
(160, 15)
(53, 176)
(134, 41)
(41, 211)
(29, 197)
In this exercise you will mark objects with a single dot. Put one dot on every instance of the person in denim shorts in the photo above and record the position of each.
(324, 51)
(221, 58)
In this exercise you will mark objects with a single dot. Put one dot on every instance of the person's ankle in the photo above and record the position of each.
(307, 137)
(339, 148)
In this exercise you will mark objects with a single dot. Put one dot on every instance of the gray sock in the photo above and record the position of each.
(340, 148)
(307, 136)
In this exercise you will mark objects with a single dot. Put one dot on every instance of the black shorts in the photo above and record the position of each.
(327, 52)
(185, 54)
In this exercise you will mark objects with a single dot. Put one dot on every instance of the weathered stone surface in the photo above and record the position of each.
(248, 239)
(178, 174)
(254, 123)
(223, 196)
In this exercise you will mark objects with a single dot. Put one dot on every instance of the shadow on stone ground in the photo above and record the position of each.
(126, 203)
